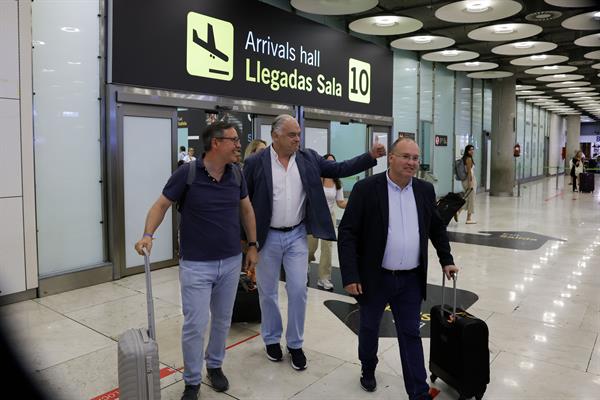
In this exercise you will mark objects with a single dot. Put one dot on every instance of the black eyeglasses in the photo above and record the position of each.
(233, 139)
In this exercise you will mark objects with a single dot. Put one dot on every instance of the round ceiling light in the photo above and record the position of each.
(592, 40)
(550, 69)
(332, 7)
(593, 55)
(524, 48)
(524, 87)
(489, 74)
(570, 3)
(568, 84)
(504, 32)
(472, 66)
(586, 21)
(469, 11)
(575, 89)
(451, 55)
(422, 43)
(543, 16)
(539, 59)
(559, 77)
(385, 25)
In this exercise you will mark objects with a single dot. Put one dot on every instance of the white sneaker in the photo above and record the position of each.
(325, 284)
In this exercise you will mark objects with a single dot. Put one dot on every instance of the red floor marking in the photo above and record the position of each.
(556, 195)
(167, 371)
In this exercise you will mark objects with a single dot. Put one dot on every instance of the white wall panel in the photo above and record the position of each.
(12, 259)
(10, 149)
(9, 49)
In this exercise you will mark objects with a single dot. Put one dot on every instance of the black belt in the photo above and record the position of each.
(286, 228)
(397, 272)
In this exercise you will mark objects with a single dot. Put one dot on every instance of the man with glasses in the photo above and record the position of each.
(284, 184)
(382, 248)
(210, 252)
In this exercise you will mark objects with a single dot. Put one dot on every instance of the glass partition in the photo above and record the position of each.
(520, 121)
(348, 141)
(405, 92)
(443, 124)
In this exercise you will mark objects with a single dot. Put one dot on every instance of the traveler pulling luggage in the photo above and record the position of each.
(459, 352)
(449, 205)
(139, 371)
(586, 182)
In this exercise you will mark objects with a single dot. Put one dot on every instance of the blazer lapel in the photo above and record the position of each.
(382, 196)
(268, 173)
(420, 204)
(301, 164)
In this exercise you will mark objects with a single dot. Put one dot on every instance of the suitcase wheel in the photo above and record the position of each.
(433, 377)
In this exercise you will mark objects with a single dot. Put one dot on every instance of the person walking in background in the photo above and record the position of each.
(576, 168)
(254, 147)
(284, 184)
(190, 155)
(470, 182)
(334, 193)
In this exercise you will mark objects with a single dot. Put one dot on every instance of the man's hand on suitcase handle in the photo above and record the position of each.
(144, 243)
(450, 271)
(354, 289)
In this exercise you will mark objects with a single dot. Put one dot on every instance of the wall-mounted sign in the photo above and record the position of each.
(409, 135)
(441, 140)
(247, 49)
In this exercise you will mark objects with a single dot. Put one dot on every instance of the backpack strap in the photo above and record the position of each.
(191, 175)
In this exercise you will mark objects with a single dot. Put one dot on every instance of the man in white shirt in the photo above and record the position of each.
(284, 184)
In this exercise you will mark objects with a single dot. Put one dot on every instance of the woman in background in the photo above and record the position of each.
(254, 147)
(334, 194)
(469, 182)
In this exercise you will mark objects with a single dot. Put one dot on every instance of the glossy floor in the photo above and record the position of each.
(542, 307)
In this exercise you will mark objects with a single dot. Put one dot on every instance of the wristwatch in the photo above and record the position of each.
(255, 244)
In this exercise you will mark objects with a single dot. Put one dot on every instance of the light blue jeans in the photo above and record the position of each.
(289, 248)
(206, 285)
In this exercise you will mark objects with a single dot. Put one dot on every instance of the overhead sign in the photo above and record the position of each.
(247, 50)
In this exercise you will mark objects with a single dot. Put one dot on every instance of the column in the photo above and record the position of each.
(504, 106)
(573, 131)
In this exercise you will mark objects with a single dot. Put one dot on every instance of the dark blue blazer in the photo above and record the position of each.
(362, 234)
(312, 166)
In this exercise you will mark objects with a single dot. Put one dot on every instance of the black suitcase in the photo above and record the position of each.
(449, 205)
(586, 182)
(459, 352)
(246, 307)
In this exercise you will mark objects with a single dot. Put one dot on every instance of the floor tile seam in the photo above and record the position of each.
(554, 363)
(592, 354)
(86, 307)
(72, 359)
(320, 379)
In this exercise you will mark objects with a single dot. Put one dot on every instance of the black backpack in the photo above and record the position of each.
(237, 175)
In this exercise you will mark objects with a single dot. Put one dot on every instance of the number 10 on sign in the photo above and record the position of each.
(359, 81)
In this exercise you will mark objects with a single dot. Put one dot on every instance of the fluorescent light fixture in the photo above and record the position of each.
(478, 6)
(385, 21)
(472, 64)
(450, 53)
(422, 39)
(504, 29)
(523, 45)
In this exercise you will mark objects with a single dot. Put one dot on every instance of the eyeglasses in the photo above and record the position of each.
(233, 139)
(407, 157)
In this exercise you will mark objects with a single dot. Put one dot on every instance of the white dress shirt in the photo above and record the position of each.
(289, 197)
(402, 247)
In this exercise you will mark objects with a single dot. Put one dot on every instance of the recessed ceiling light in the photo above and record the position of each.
(597, 15)
(69, 29)
(550, 67)
(38, 42)
(523, 45)
(478, 6)
(422, 39)
(559, 76)
(539, 57)
(450, 53)
(386, 20)
(472, 64)
(503, 29)
(543, 15)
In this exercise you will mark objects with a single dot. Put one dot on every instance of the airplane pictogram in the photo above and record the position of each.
(210, 47)
(209, 44)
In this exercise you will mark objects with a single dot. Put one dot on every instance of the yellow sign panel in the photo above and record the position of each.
(359, 81)
(209, 47)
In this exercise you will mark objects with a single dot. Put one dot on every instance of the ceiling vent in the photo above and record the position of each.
(543, 16)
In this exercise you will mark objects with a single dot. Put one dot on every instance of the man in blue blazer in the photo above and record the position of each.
(382, 247)
(284, 185)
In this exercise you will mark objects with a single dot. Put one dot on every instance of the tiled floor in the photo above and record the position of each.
(542, 308)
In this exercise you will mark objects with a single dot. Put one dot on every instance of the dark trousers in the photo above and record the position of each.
(574, 178)
(403, 293)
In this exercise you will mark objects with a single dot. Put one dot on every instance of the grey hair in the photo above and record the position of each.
(402, 139)
(279, 121)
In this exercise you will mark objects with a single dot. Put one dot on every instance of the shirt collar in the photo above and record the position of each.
(274, 155)
(394, 186)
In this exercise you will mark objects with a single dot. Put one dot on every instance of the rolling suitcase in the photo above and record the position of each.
(586, 182)
(459, 353)
(139, 370)
(449, 205)
(246, 307)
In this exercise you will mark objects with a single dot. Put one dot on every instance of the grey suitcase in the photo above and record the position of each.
(139, 370)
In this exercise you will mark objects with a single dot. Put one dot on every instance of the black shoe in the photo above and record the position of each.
(217, 379)
(274, 352)
(367, 380)
(190, 392)
(298, 359)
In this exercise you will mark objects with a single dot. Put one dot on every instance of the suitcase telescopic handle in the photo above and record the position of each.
(454, 276)
(149, 300)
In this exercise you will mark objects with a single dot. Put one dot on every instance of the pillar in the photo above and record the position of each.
(504, 108)
(573, 132)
